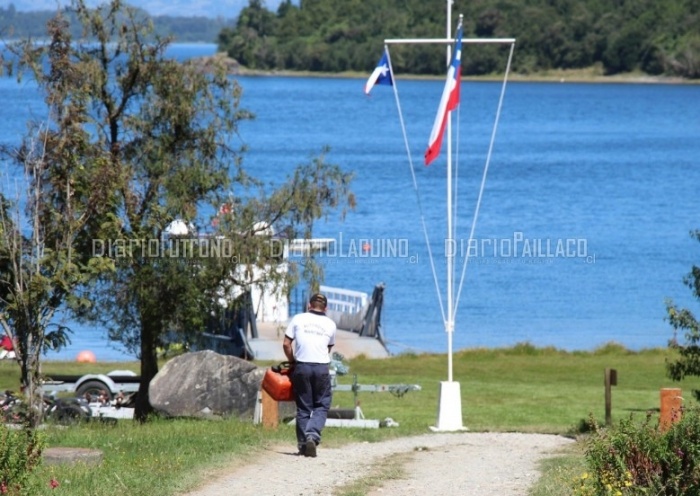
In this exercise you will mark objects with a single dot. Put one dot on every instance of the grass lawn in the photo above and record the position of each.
(522, 389)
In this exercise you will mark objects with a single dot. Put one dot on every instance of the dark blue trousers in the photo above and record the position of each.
(312, 389)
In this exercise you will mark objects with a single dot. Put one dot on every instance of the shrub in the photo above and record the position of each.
(20, 454)
(639, 458)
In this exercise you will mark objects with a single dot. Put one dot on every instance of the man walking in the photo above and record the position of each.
(307, 344)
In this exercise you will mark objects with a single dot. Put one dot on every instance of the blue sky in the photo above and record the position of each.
(182, 8)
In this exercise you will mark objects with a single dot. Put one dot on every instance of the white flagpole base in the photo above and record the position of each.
(449, 408)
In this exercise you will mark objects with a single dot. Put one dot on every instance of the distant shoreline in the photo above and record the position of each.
(588, 75)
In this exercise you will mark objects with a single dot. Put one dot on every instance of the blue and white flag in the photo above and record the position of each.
(380, 75)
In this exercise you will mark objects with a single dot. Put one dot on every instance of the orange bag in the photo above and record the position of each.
(277, 383)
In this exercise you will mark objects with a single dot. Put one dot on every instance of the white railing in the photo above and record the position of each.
(345, 300)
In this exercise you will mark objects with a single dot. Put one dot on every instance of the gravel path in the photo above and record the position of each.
(478, 464)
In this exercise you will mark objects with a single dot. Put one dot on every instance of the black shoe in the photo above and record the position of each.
(302, 450)
(310, 447)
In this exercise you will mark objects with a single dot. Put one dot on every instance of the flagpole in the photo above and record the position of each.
(449, 325)
(449, 416)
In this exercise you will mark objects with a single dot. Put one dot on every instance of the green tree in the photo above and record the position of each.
(683, 320)
(156, 138)
(39, 263)
(252, 43)
(68, 190)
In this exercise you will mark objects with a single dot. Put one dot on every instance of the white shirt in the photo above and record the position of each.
(312, 334)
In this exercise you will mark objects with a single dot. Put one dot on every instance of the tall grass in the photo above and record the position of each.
(523, 388)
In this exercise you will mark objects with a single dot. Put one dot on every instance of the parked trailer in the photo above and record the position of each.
(95, 385)
(104, 392)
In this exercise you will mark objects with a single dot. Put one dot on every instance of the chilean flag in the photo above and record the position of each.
(448, 102)
(380, 75)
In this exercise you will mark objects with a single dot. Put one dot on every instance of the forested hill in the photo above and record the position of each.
(17, 24)
(651, 36)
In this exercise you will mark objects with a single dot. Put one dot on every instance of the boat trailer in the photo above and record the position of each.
(108, 395)
(337, 417)
(357, 419)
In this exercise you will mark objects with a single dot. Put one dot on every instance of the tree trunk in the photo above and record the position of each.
(149, 369)
(34, 394)
(30, 381)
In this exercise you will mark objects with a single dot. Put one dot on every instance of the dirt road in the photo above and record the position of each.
(477, 464)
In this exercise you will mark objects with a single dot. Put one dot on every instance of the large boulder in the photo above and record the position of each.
(206, 384)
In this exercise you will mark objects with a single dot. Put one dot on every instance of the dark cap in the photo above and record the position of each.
(320, 298)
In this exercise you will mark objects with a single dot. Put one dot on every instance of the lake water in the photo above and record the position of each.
(583, 231)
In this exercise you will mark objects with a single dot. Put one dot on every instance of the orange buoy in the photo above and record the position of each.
(86, 356)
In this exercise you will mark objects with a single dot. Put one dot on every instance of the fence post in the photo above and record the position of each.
(610, 380)
(671, 407)
(270, 411)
